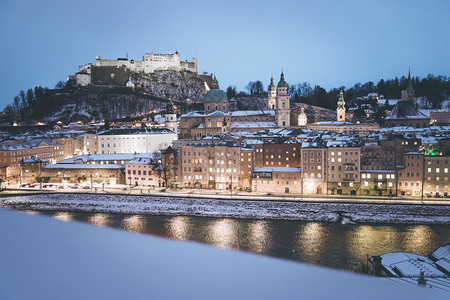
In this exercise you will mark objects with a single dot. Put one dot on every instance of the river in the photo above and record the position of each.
(330, 244)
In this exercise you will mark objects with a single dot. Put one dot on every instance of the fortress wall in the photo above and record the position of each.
(151, 62)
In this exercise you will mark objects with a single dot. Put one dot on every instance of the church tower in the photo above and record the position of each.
(282, 110)
(271, 95)
(171, 117)
(409, 93)
(341, 107)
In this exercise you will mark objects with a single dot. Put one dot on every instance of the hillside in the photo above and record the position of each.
(111, 99)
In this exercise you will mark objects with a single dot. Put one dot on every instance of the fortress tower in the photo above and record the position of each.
(271, 95)
(283, 110)
(341, 108)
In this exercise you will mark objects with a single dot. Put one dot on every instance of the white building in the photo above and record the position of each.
(135, 140)
(83, 79)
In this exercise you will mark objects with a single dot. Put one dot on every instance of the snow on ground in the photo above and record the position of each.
(43, 258)
(307, 211)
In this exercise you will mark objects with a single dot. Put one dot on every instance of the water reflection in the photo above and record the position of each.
(419, 238)
(258, 239)
(100, 219)
(327, 244)
(223, 234)
(136, 223)
(63, 216)
(310, 241)
(178, 228)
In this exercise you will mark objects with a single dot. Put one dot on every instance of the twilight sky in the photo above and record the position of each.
(330, 43)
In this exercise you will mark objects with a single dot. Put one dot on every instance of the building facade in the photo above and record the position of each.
(135, 140)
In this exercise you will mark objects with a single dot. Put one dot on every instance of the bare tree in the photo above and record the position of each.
(168, 166)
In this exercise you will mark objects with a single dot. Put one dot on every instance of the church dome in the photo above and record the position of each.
(272, 86)
(282, 83)
(216, 96)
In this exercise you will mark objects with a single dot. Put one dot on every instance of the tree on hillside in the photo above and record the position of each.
(60, 85)
(231, 92)
(255, 87)
(16, 103)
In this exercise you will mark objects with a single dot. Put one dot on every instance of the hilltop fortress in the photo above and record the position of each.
(150, 63)
(126, 72)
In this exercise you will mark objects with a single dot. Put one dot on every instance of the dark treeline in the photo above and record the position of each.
(434, 89)
(35, 101)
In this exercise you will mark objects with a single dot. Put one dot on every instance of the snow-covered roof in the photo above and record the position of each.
(442, 252)
(378, 171)
(84, 166)
(193, 114)
(276, 169)
(106, 157)
(247, 113)
(139, 131)
(141, 161)
(250, 124)
(216, 113)
(405, 110)
(29, 145)
(408, 264)
(35, 159)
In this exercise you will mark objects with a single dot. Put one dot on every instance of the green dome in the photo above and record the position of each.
(272, 86)
(282, 83)
(216, 96)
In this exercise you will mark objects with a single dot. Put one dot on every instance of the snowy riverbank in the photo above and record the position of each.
(154, 205)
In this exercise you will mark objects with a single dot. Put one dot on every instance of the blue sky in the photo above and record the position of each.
(330, 43)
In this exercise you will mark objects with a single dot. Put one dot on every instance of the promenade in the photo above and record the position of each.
(217, 194)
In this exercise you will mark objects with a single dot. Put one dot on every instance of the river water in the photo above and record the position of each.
(335, 245)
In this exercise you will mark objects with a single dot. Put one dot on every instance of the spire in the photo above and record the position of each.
(341, 102)
(409, 80)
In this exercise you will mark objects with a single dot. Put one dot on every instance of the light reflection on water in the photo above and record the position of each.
(321, 243)
(63, 216)
(100, 219)
(178, 228)
(135, 223)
